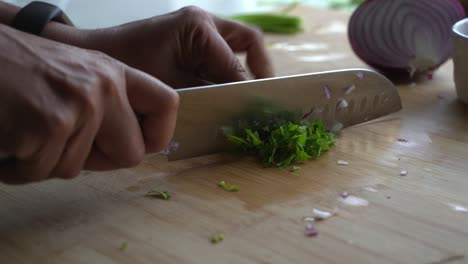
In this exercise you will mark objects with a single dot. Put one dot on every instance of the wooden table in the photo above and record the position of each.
(419, 218)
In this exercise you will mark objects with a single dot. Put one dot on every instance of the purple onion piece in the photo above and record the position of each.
(173, 146)
(342, 104)
(311, 233)
(327, 92)
(361, 75)
(307, 114)
(348, 90)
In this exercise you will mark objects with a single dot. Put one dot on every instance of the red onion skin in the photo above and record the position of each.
(464, 3)
(396, 73)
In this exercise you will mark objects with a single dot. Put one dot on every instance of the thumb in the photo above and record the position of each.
(157, 104)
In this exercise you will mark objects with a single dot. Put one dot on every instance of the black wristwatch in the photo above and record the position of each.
(34, 17)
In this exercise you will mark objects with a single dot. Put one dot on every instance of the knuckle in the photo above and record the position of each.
(193, 11)
(109, 79)
(99, 56)
(255, 33)
(194, 14)
(88, 100)
(59, 122)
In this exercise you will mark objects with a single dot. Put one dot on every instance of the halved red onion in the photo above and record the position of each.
(404, 38)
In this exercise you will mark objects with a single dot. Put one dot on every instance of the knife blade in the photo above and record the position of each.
(205, 110)
(351, 97)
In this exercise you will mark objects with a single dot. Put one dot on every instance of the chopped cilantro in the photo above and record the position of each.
(278, 137)
(124, 246)
(295, 168)
(217, 239)
(165, 195)
(228, 187)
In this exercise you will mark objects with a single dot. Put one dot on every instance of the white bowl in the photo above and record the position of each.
(460, 58)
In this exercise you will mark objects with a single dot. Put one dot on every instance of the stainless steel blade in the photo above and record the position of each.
(204, 110)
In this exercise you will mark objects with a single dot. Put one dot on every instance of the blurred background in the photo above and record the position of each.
(103, 13)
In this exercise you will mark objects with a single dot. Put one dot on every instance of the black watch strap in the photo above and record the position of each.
(34, 17)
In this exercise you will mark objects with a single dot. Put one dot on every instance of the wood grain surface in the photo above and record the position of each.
(418, 218)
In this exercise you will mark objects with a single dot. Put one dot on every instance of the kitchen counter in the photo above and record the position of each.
(418, 218)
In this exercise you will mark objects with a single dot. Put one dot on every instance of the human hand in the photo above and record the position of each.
(64, 109)
(189, 47)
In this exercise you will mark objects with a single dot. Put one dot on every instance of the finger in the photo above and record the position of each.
(243, 38)
(218, 64)
(17, 139)
(39, 166)
(77, 152)
(98, 161)
(119, 136)
(158, 103)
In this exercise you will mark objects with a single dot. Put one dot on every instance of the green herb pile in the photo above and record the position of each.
(277, 137)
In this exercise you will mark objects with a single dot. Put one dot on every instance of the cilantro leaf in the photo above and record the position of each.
(217, 239)
(164, 195)
(228, 187)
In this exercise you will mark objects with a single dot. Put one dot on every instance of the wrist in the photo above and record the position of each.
(66, 34)
(53, 30)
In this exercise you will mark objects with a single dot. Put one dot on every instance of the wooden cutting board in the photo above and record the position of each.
(418, 218)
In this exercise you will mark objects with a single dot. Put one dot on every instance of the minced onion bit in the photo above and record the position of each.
(321, 215)
(327, 92)
(342, 103)
(361, 75)
(403, 38)
(344, 195)
(308, 114)
(173, 146)
(342, 162)
(349, 89)
(311, 231)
